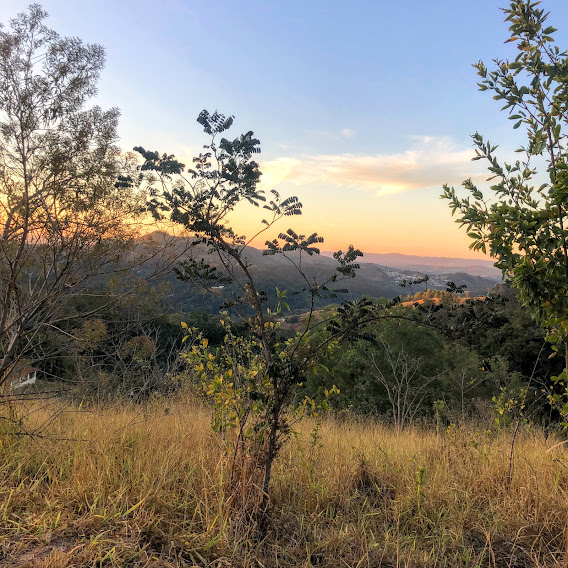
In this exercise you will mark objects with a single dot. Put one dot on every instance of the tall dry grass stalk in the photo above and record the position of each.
(125, 486)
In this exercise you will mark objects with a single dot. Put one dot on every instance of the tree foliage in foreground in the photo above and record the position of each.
(250, 379)
(522, 224)
(64, 200)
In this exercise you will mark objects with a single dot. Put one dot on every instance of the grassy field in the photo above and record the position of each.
(125, 486)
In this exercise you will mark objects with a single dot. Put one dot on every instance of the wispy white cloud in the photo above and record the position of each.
(430, 161)
(335, 135)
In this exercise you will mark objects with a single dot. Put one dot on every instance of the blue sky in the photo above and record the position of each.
(364, 109)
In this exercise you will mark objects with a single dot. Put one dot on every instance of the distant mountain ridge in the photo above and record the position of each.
(375, 279)
(431, 264)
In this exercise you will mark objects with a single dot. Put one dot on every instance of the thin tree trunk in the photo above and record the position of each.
(271, 452)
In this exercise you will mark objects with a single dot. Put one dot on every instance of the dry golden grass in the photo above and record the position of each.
(123, 486)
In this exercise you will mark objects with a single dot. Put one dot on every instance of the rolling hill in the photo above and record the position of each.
(373, 278)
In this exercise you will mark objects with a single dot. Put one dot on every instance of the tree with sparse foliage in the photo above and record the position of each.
(251, 379)
(67, 206)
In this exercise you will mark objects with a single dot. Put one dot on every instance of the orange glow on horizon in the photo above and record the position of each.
(451, 243)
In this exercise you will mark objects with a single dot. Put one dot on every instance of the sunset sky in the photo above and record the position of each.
(363, 108)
